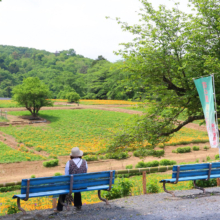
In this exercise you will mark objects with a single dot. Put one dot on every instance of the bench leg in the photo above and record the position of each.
(197, 187)
(104, 200)
(19, 206)
(62, 202)
(164, 188)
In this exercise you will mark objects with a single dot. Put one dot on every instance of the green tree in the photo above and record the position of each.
(169, 50)
(72, 97)
(33, 94)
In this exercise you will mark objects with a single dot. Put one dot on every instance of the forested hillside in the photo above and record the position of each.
(64, 70)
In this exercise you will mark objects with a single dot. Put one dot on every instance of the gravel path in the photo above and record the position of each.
(189, 204)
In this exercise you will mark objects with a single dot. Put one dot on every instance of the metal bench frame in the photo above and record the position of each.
(70, 193)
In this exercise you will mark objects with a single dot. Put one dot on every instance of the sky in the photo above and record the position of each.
(56, 25)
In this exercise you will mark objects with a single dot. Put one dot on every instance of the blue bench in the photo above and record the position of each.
(192, 172)
(68, 184)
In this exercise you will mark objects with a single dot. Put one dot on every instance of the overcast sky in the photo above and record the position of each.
(55, 25)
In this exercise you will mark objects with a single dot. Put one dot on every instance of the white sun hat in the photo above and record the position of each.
(76, 152)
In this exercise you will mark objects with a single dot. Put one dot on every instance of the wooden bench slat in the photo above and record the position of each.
(196, 166)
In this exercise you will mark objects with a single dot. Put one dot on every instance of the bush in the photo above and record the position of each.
(209, 183)
(73, 97)
(195, 148)
(122, 189)
(33, 176)
(183, 149)
(118, 156)
(38, 149)
(166, 162)
(12, 208)
(142, 164)
(90, 158)
(206, 148)
(152, 187)
(57, 174)
(51, 163)
(10, 188)
(129, 167)
(102, 157)
(217, 157)
(208, 158)
(145, 153)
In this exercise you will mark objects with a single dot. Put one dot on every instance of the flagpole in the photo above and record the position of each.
(216, 114)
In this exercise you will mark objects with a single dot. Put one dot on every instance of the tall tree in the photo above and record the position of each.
(169, 50)
(33, 94)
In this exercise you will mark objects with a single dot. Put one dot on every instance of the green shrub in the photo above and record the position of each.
(33, 176)
(73, 97)
(10, 188)
(51, 163)
(118, 156)
(90, 158)
(208, 158)
(142, 164)
(196, 148)
(38, 149)
(166, 162)
(197, 160)
(120, 189)
(57, 174)
(152, 187)
(145, 153)
(102, 157)
(183, 149)
(206, 148)
(12, 208)
(174, 151)
(209, 183)
(129, 167)
(217, 157)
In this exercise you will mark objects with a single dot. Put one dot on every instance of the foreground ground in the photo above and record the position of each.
(188, 204)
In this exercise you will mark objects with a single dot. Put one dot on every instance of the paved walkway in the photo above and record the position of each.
(189, 204)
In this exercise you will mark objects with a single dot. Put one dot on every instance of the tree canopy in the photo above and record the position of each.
(169, 50)
(98, 79)
(33, 94)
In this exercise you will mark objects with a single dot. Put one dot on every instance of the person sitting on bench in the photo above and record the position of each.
(75, 165)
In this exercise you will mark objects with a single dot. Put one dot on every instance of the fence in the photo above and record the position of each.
(3, 114)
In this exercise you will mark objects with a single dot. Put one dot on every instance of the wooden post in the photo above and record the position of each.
(218, 181)
(54, 203)
(144, 182)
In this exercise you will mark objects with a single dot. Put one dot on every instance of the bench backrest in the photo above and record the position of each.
(196, 170)
(84, 180)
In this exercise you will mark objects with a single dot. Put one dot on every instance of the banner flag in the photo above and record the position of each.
(204, 87)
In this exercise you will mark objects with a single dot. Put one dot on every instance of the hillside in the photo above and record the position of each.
(93, 79)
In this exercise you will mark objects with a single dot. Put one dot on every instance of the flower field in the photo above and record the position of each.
(88, 129)
(90, 197)
(9, 155)
(68, 128)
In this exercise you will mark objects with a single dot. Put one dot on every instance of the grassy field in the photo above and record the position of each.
(85, 128)
(9, 155)
(91, 197)
(68, 128)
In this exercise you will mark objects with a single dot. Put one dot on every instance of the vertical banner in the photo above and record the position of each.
(206, 94)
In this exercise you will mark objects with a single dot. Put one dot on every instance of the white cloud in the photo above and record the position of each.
(80, 24)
